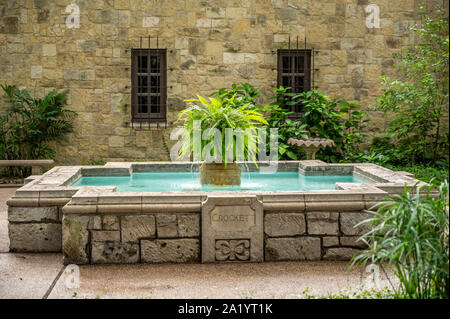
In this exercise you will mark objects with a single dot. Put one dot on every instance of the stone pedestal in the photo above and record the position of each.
(232, 229)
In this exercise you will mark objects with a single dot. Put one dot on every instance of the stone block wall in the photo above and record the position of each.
(150, 238)
(313, 235)
(175, 238)
(35, 229)
(211, 44)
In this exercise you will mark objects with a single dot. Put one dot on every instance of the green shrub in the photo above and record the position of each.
(244, 93)
(410, 232)
(322, 117)
(31, 123)
(278, 117)
(418, 100)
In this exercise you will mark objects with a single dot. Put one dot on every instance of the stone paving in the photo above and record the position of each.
(43, 275)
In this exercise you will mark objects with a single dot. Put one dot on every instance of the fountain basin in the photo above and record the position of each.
(104, 224)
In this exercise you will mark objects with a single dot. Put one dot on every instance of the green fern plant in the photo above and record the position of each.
(220, 113)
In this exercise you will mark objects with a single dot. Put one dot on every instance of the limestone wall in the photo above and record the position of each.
(211, 44)
(160, 238)
(175, 238)
(313, 235)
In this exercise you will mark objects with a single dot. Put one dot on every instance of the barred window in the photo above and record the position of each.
(149, 85)
(294, 71)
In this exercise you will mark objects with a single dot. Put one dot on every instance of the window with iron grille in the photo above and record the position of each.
(294, 71)
(149, 85)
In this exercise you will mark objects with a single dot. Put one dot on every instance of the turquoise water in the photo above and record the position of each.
(173, 182)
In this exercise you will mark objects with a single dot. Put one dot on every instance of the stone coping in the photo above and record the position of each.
(55, 188)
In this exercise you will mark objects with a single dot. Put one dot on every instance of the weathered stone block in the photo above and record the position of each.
(87, 45)
(105, 235)
(285, 14)
(166, 226)
(213, 48)
(349, 220)
(32, 214)
(330, 241)
(301, 248)
(49, 49)
(170, 251)
(340, 253)
(36, 72)
(69, 75)
(284, 224)
(114, 253)
(233, 58)
(150, 22)
(95, 223)
(75, 237)
(189, 225)
(122, 4)
(136, 227)
(203, 23)
(87, 75)
(10, 25)
(35, 237)
(323, 223)
(110, 223)
(352, 241)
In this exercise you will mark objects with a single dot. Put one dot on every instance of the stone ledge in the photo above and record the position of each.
(33, 214)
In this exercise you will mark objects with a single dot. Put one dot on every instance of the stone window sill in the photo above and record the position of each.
(148, 125)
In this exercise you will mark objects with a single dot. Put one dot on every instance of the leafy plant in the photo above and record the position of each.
(220, 113)
(419, 99)
(278, 117)
(322, 117)
(243, 93)
(372, 293)
(29, 124)
(410, 232)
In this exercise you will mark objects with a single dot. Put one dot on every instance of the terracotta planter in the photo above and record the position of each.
(219, 175)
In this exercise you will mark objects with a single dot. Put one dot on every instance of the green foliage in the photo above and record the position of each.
(410, 232)
(383, 152)
(384, 293)
(419, 100)
(278, 117)
(424, 173)
(96, 162)
(242, 94)
(220, 113)
(323, 117)
(31, 123)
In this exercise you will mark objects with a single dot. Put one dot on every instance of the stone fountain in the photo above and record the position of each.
(311, 145)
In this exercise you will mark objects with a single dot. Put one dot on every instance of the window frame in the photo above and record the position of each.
(149, 116)
(306, 54)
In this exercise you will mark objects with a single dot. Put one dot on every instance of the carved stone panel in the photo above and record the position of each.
(232, 229)
(233, 250)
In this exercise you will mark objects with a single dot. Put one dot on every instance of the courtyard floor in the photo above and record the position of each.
(44, 276)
